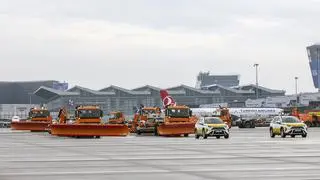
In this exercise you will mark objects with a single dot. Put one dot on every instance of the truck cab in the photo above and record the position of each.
(88, 115)
(178, 114)
(39, 114)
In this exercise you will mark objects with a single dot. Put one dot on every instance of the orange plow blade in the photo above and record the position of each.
(30, 125)
(175, 129)
(89, 130)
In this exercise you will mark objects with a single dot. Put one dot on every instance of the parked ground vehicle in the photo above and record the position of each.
(86, 122)
(211, 126)
(245, 122)
(146, 120)
(311, 117)
(178, 120)
(5, 123)
(38, 120)
(287, 125)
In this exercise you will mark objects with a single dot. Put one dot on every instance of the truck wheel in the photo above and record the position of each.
(293, 135)
(186, 135)
(271, 133)
(204, 134)
(253, 124)
(155, 133)
(283, 134)
(308, 123)
(196, 135)
(226, 136)
(304, 135)
(138, 132)
(247, 125)
(218, 137)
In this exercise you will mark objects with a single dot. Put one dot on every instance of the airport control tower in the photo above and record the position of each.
(314, 62)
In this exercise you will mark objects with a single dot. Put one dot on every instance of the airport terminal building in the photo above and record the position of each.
(18, 97)
(116, 98)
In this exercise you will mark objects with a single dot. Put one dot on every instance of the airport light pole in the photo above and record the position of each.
(30, 98)
(318, 73)
(296, 88)
(256, 66)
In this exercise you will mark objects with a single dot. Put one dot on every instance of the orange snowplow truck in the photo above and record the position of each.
(38, 120)
(178, 119)
(310, 117)
(225, 115)
(145, 120)
(87, 121)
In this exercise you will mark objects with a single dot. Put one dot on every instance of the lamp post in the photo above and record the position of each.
(30, 100)
(296, 88)
(318, 68)
(256, 66)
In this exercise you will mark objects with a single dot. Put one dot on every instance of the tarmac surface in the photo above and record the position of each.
(249, 154)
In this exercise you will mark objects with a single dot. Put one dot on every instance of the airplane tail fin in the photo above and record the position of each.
(167, 100)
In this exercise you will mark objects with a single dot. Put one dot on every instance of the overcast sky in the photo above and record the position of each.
(130, 43)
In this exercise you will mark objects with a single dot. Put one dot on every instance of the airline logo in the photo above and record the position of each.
(258, 110)
(166, 99)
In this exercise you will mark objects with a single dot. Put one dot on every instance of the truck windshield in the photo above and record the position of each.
(39, 114)
(290, 119)
(94, 113)
(211, 120)
(114, 116)
(148, 111)
(178, 112)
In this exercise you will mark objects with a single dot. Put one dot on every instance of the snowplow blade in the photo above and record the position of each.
(30, 125)
(175, 129)
(75, 130)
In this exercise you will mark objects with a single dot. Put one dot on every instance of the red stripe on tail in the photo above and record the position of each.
(167, 100)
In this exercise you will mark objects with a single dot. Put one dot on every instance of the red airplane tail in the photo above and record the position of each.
(167, 100)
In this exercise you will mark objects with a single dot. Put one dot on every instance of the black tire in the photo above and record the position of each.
(218, 137)
(304, 135)
(226, 136)
(293, 136)
(308, 123)
(247, 125)
(271, 133)
(283, 134)
(186, 135)
(204, 134)
(240, 125)
(138, 132)
(196, 135)
(253, 124)
(155, 133)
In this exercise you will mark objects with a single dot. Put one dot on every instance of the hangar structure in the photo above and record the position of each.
(117, 98)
